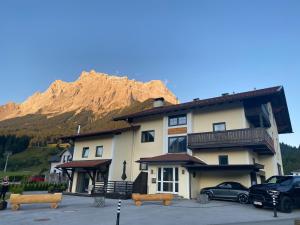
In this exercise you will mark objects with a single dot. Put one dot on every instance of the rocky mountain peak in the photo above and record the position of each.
(97, 92)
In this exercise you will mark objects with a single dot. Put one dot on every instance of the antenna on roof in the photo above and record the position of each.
(78, 130)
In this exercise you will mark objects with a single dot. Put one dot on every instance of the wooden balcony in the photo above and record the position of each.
(257, 139)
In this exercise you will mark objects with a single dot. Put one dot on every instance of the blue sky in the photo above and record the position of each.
(199, 48)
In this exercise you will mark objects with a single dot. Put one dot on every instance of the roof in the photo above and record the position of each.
(54, 158)
(202, 167)
(88, 164)
(274, 94)
(101, 132)
(172, 158)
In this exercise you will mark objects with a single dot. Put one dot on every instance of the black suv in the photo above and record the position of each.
(287, 187)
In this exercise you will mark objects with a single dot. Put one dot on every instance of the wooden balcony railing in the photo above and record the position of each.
(256, 138)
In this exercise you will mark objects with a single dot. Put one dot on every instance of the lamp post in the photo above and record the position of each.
(120, 202)
(7, 156)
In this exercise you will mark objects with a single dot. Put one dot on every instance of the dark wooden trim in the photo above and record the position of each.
(256, 138)
(177, 130)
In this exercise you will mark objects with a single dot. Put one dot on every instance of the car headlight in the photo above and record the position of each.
(273, 192)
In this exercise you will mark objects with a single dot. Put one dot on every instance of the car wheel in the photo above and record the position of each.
(286, 204)
(209, 194)
(258, 206)
(243, 199)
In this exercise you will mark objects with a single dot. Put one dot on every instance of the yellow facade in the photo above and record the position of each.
(128, 146)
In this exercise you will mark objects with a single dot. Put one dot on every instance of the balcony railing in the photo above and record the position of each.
(256, 138)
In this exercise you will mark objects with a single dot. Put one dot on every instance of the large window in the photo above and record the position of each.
(177, 144)
(167, 179)
(219, 127)
(223, 160)
(99, 151)
(177, 120)
(148, 136)
(85, 152)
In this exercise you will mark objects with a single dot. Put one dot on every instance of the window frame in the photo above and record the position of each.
(99, 146)
(223, 156)
(144, 132)
(182, 136)
(220, 123)
(161, 181)
(177, 120)
(83, 151)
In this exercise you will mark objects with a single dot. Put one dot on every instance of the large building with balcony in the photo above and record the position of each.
(183, 148)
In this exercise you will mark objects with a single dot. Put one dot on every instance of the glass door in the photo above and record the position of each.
(167, 179)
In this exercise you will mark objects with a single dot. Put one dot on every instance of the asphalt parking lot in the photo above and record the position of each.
(80, 211)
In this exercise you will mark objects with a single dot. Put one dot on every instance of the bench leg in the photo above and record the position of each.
(15, 207)
(54, 205)
(166, 202)
(138, 203)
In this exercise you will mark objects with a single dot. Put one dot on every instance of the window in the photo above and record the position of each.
(143, 166)
(223, 159)
(167, 179)
(177, 120)
(148, 136)
(225, 185)
(99, 151)
(85, 152)
(177, 144)
(219, 126)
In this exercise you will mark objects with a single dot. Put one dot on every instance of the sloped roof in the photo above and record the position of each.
(85, 163)
(100, 132)
(274, 94)
(172, 158)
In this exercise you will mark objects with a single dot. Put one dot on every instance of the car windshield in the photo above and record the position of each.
(279, 180)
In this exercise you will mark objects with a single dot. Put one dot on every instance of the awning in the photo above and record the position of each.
(239, 167)
(172, 158)
(86, 164)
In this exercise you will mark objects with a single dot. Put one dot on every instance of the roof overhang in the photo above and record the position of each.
(99, 133)
(239, 167)
(275, 95)
(171, 158)
(85, 164)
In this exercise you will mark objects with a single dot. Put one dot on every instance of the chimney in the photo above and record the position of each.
(225, 94)
(78, 130)
(158, 102)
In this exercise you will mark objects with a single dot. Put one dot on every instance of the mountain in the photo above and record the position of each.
(91, 101)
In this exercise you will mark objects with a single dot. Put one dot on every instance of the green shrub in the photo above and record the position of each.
(51, 188)
(17, 189)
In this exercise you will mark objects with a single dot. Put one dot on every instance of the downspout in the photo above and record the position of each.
(132, 153)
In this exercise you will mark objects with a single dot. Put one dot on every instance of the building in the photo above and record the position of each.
(185, 147)
(62, 157)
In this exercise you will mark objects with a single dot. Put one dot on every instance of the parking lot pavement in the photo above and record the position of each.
(80, 211)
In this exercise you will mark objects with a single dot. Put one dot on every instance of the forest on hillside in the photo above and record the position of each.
(12, 144)
(290, 157)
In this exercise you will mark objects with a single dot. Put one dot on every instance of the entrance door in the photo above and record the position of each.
(82, 182)
(167, 181)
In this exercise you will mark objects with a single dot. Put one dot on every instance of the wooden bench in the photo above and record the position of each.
(16, 200)
(165, 198)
